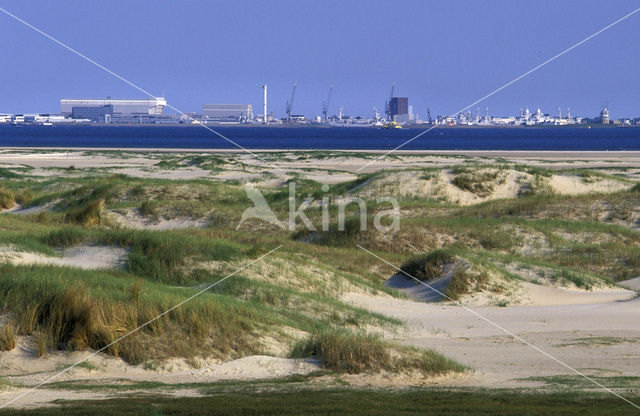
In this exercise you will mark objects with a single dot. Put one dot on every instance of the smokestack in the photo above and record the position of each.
(264, 103)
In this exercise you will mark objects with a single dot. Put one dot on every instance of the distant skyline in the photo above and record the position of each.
(441, 55)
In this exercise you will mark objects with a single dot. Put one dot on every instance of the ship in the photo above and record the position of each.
(391, 125)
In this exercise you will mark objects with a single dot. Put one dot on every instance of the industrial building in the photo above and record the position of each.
(98, 114)
(399, 105)
(399, 109)
(125, 107)
(227, 112)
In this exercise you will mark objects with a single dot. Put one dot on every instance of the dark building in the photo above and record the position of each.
(399, 106)
(100, 114)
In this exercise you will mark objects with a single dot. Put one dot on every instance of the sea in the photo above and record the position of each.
(322, 138)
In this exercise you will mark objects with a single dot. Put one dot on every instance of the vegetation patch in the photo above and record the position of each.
(334, 236)
(149, 209)
(65, 237)
(89, 213)
(8, 174)
(354, 354)
(9, 198)
(480, 183)
(8, 337)
(71, 311)
(163, 256)
(427, 266)
(238, 399)
(464, 281)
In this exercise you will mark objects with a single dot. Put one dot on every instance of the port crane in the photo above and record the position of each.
(290, 102)
(325, 105)
(387, 105)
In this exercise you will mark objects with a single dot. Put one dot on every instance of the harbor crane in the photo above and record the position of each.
(325, 105)
(290, 102)
(387, 104)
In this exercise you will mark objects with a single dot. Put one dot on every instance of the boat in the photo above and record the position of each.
(391, 125)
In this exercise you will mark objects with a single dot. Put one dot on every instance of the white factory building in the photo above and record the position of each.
(151, 106)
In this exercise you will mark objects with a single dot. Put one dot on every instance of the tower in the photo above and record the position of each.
(264, 103)
(604, 115)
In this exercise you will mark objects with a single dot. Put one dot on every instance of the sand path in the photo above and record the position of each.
(572, 333)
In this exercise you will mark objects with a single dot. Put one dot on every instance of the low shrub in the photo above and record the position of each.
(335, 237)
(491, 239)
(149, 209)
(428, 362)
(8, 338)
(24, 197)
(463, 282)
(7, 198)
(477, 183)
(427, 266)
(345, 352)
(63, 312)
(88, 214)
(65, 237)
(349, 353)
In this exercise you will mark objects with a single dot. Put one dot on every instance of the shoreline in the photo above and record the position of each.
(477, 153)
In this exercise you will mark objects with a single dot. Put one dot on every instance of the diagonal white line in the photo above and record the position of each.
(497, 90)
(121, 78)
(138, 328)
(501, 328)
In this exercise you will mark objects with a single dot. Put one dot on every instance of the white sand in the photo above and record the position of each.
(525, 294)
(28, 370)
(574, 185)
(498, 359)
(19, 210)
(633, 284)
(418, 291)
(544, 295)
(141, 161)
(509, 184)
(78, 159)
(84, 257)
(133, 220)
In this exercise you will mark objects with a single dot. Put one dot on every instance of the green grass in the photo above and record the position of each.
(341, 401)
(73, 309)
(574, 381)
(8, 174)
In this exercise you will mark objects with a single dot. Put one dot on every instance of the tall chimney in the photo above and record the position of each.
(264, 103)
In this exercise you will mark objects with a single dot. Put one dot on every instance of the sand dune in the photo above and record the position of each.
(526, 294)
(27, 370)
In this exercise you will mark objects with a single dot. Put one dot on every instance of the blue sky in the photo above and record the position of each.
(443, 55)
